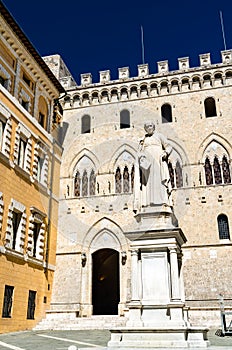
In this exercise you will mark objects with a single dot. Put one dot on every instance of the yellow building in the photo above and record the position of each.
(30, 156)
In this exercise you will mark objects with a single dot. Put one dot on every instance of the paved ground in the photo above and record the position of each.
(73, 340)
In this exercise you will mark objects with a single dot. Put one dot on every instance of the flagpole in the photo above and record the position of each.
(142, 42)
(223, 33)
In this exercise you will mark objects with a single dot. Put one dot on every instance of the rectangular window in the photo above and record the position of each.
(22, 151)
(41, 119)
(7, 302)
(3, 82)
(31, 305)
(40, 168)
(36, 230)
(27, 80)
(16, 218)
(25, 104)
(2, 128)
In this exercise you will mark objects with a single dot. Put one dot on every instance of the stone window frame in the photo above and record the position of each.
(5, 144)
(87, 175)
(215, 147)
(210, 107)
(166, 113)
(40, 169)
(125, 119)
(31, 304)
(175, 168)
(220, 158)
(119, 176)
(88, 179)
(23, 134)
(221, 230)
(24, 97)
(7, 77)
(37, 216)
(7, 301)
(123, 158)
(86, 124)
(17, 207)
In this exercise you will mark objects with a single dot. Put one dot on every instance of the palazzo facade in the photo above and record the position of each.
(102, 125)
(30, 157)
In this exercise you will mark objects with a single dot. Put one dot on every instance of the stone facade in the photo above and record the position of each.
(101, 128)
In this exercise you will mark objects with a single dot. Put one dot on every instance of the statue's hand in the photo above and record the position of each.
(164, 156)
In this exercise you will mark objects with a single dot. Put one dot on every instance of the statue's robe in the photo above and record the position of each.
(152, 186)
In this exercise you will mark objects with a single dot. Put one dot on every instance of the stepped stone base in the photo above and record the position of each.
(68, 321)
(162, 337)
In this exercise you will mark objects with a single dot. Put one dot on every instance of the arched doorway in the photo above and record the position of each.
(105, 282)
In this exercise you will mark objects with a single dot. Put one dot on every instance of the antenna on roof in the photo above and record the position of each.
(223, 33)
(142, 42)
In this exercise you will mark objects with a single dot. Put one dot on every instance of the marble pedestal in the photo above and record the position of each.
(156, 316)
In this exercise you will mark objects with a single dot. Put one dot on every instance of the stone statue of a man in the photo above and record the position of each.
(152, 185)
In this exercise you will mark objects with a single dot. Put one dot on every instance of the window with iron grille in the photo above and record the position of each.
(179, 176)
(126, 180)
(208, 172)
(77, 185)
(118, 181)
(36, 230)
(226, 171)
(223, 227)
(217, 171)
(31, 305)
(16, 218)
(8, 301)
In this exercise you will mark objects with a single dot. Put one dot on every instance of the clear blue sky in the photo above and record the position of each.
(95, 35)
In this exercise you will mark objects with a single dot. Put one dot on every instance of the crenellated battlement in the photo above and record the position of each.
(147, 85)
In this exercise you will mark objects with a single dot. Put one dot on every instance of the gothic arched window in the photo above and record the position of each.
(77, 185)
(85, 124)
(132, 177)
(179, 177)
(124, 119)
(92, 183)
(208, 172)
(217, 171)
(84, 184)
(226, 171)
(118, 182)
(210, 107)
(171, 174)
(223, 227)
(126, 180)
(166, 113)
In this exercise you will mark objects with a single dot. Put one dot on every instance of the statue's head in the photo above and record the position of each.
(149, 127)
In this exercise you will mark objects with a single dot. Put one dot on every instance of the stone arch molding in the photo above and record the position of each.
(178, 153)
(104, 233)
(214, 140)
(84, 153)
(124, 149)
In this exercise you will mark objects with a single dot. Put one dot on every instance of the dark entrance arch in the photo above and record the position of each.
(105, 282)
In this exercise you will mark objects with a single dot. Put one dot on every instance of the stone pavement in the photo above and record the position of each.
(74, 340)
